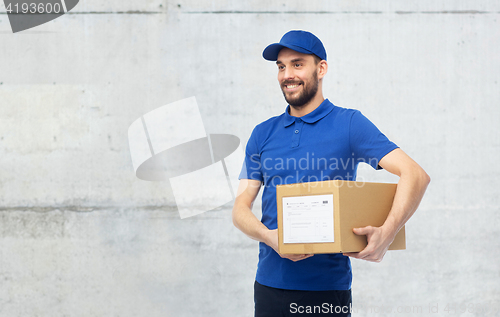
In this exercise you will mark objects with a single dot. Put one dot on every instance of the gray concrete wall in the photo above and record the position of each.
(80, 235)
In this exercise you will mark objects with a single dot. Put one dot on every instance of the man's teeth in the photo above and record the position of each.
(291, 86)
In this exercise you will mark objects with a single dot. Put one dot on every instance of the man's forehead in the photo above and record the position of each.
(287, 54)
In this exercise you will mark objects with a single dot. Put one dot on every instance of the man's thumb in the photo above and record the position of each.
(360, 231)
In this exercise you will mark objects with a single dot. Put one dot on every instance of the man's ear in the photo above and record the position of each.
(322, 69)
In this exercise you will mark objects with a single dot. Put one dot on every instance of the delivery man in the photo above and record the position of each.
(314, 140)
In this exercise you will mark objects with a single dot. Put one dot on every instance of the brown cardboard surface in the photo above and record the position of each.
(356, 204)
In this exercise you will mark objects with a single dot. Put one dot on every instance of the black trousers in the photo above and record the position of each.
(275, 302)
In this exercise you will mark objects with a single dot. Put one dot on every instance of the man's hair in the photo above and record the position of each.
(316, 59)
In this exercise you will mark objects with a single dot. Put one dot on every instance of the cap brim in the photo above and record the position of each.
(271, 52)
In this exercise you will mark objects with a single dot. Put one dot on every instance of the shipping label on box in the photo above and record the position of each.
(308, 219)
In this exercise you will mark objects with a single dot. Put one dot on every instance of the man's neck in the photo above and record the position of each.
(308, 107)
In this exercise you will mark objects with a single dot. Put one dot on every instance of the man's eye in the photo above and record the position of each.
(281, 67)
(297, 65)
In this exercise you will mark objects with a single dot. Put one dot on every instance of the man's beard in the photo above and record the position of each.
(305, 96)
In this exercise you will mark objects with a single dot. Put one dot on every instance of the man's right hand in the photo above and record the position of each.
(272, 241)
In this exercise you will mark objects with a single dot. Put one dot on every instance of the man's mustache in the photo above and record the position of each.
(290, 82)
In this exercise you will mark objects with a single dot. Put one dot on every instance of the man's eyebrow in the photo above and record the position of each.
(300, 59)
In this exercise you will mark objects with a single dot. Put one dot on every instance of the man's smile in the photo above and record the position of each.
(292, 87)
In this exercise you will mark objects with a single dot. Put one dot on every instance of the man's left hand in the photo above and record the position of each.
(378, 243)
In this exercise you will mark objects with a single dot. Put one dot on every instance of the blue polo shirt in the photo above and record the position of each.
(326, 144)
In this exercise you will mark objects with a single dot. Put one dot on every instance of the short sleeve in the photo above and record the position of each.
(367, 143)
(251, 168)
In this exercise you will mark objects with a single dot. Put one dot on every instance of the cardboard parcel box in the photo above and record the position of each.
(318, 217)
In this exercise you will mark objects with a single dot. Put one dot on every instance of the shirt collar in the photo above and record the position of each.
(319, 113)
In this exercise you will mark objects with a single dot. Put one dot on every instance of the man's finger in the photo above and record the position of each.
(361, 231)
(297, 257)
(358, 255)
(352, 254)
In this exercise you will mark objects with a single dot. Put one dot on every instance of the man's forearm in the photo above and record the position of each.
(410, 190)
(413, 181)
(245, 220)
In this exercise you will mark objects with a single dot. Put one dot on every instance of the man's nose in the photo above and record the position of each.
(289, 74)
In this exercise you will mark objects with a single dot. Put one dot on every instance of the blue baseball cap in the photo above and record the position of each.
(299, 41)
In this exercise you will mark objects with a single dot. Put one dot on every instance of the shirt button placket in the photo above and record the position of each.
(297, 132)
